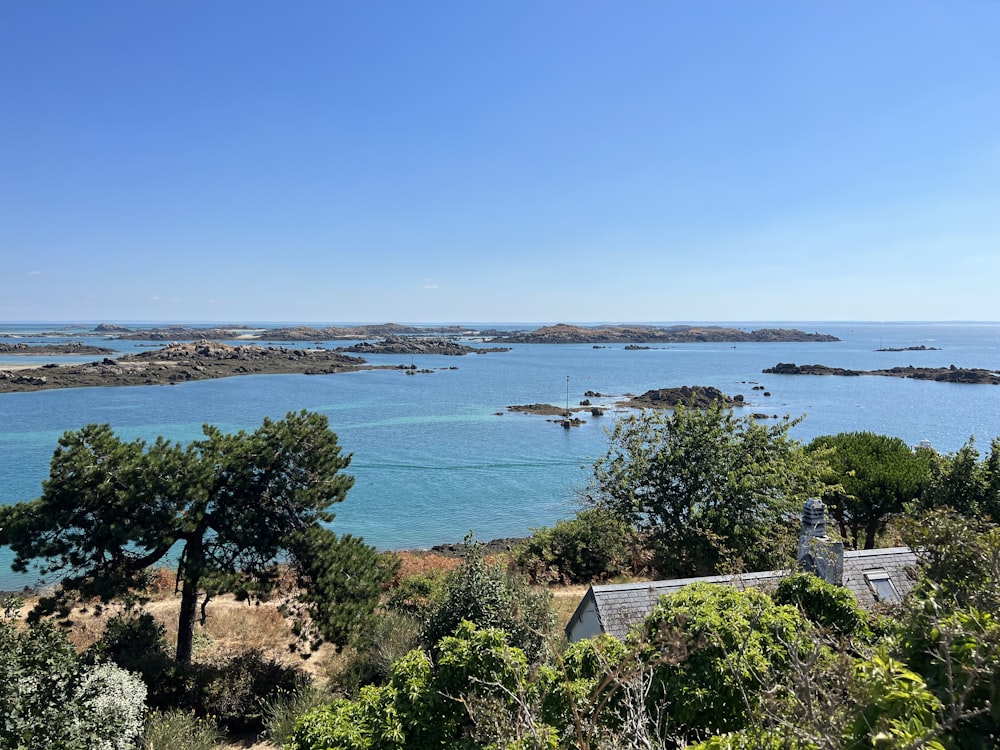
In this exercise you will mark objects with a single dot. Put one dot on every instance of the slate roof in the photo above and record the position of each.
(619, 606)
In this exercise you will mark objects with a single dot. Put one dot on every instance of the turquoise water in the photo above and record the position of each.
(436, 455)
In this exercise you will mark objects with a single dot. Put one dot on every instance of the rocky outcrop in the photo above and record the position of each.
(178, 363)
(921, 348)
(697, 396)
(45, 350)
(951, 374)
(411, 346)
(571, 334)
(111, 328)
(294, 333)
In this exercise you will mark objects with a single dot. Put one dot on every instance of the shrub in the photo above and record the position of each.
(468, 697)
(285, 708)
(418, 593)
(393, 636)
(831, 607)
(592, 546)
(715, 651)
(53, 697)
(491, 596)
(179, 730)
(232, 690)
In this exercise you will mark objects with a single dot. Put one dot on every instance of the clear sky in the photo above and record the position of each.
(499, 160)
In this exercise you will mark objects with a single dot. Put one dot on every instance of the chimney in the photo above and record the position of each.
(817, 552)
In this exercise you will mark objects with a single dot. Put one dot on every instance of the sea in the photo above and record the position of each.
(436, 455)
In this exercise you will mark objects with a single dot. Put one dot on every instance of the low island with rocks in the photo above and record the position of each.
(419, 345)
(49, 350)
(679, 334)
(694, 396)
(180, 363)
(951, 374)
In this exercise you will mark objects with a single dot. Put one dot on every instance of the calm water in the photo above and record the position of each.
(435, 455)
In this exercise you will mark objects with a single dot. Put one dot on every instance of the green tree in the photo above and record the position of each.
(965, 482)
(870, 478)
(230, 504)
(708, 489)
(491, 596)
(341, 580)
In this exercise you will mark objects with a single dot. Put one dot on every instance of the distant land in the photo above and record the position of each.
(679, 334)
(952, 374)
(561, 333)
(199, 353)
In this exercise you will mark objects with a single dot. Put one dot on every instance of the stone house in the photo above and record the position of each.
(874, 576)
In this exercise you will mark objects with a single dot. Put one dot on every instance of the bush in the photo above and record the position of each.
(285, 708)
(393, 636)
(468, 697)
(593, 546)
(490, 596)
(716, 651)
(418, 594)
(53, 697)
(179, 730)
(232, 690)
(831, 607)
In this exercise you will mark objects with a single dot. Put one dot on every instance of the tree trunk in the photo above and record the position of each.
(871, 529)
(190, 578)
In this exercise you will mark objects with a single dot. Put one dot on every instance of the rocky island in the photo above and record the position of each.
(47, 350)
(950, 374)
(179, 363)
(415, 345)
(295, 333)
(920, 348)
(695, 396)
(680, 334)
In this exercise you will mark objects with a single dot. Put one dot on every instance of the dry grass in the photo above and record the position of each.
(422, 563)
(564, 603)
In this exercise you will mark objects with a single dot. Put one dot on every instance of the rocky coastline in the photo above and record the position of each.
(180, 363)
(411, 346)
(49, 350)
(680, 334)
(952, 374)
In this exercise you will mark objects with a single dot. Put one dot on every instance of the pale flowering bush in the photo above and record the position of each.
(114, 703)
(53, 697)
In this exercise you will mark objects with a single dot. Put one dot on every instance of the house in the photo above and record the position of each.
(872, 575)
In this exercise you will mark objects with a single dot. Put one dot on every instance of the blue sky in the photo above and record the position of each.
(560, 160)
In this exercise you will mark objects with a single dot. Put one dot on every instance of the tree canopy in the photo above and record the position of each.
(229, 504)
(707, 487)
(869, 480)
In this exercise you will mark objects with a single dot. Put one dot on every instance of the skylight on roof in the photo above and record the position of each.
(881, 586)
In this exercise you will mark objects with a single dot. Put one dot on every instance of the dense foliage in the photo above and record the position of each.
(708, 490)
(491, 596)
(592, 546)
(714, 652)
(53, 697)
(230, 503)
(965, 483)
(869, 479)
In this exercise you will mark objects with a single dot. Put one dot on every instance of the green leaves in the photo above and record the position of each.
(709, 489)
(234, 503)
(870, 478)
